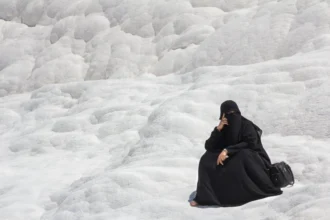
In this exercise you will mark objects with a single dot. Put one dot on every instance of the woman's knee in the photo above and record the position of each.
(208, 155)
(207, 160)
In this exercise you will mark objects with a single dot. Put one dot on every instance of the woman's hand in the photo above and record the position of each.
(222, 123)
(222, 157)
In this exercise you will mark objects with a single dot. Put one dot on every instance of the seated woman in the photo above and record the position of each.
(234, 168)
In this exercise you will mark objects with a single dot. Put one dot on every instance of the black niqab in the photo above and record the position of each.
(232, 131)
(228, 106)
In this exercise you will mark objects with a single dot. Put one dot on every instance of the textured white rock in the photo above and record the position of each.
(105, 105)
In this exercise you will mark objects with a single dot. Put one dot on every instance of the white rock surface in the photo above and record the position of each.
(105, 105)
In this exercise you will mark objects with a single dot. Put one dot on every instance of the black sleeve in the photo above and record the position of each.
(214, 140)
(237, 147)
(249, 140)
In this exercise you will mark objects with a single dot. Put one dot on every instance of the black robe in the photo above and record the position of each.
(243, 177)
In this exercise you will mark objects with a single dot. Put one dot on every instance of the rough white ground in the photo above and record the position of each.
(105, 105)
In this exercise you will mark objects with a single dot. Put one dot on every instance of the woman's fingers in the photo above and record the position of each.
(224, 121)
(221, 158)
(218, 160)
(221, 161)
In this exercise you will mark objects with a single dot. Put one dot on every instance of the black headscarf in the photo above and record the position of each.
(232, 131)
(228, 106)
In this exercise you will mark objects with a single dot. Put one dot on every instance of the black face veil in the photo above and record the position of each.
(232, 131)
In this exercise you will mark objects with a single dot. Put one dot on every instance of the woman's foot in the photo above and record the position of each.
(193, 203)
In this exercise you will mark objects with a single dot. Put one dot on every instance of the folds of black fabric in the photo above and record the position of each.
(243, 177)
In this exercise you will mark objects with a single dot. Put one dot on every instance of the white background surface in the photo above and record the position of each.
(105, 105)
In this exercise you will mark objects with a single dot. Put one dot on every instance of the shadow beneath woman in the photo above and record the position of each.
(193, 195)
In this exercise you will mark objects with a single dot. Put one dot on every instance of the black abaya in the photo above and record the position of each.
(244, 175)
